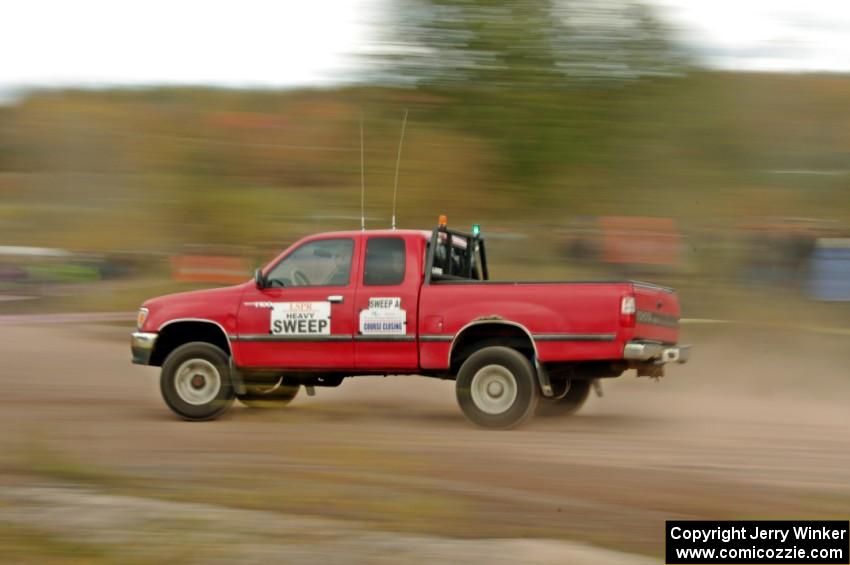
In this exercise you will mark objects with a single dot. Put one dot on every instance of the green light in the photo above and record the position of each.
(476, 230)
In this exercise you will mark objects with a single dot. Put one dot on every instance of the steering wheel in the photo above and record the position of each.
(300, 278)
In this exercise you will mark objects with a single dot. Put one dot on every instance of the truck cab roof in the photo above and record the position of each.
(425, 234)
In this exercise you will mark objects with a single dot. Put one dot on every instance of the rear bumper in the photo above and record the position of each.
(141, 345)
(657, 352)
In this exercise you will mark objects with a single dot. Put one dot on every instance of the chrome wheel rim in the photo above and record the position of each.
(493, 389)
(197, 382)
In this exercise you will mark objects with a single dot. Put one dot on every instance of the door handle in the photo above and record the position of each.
(335, 298)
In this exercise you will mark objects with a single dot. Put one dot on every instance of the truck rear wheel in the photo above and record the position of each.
(570, 403)
(496, 388)
(268, 395)
(195, 381)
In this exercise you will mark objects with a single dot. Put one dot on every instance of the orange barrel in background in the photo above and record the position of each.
(210, 268)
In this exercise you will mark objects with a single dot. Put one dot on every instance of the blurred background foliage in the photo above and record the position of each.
(532, 118)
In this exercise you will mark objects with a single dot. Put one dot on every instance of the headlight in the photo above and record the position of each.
(141, 317)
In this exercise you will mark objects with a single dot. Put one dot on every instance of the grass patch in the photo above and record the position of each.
(39, 459)
(111, 296)
(24, 545)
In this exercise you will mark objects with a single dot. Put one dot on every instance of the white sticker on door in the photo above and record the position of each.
(383, 317)
(384, 303)
(301, 318)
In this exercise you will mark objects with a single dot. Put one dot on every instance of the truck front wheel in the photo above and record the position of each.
(195, 381)
(496, 388)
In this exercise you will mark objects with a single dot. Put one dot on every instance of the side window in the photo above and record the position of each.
(326, 262)
(385, 261)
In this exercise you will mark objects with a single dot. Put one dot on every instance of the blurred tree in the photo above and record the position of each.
(522, 45)
(520, 73)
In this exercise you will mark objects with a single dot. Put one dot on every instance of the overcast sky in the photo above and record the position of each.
(766, 35)
(295, 42)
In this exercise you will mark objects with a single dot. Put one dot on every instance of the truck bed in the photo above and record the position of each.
(568, 321)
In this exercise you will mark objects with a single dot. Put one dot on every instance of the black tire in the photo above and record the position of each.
(190, 390)
(268, 395)
(490, 409)
(571, 402)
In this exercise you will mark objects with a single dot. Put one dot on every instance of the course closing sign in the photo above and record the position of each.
(301, 318)
(383, 317)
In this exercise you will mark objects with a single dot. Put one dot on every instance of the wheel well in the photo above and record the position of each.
(478, 336)
(174, 335)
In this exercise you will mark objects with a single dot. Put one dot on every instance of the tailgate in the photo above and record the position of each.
(657, 316)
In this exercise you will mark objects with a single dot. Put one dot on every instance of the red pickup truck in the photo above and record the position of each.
(392, 302)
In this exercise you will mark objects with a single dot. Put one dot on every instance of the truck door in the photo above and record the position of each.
(304, 317)
(386, 304)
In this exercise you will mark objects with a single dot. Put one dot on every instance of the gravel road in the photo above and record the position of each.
(388, 470)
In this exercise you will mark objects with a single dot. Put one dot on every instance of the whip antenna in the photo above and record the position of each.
(362, 180)
(398, 163)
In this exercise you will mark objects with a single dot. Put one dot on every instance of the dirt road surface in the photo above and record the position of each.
(96, 469)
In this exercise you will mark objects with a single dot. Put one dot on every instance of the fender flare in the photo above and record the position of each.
(539, 369)
(235, 375)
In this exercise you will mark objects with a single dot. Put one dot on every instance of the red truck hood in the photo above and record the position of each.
(195, 296)
(216, 304)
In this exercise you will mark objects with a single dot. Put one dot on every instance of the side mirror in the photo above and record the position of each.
(259, 279)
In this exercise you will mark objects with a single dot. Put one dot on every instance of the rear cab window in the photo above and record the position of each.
(455, 258)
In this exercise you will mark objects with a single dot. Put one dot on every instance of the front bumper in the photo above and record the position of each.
(656, 352)
(141, 345)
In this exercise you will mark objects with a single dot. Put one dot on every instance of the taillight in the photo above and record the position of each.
(627, 312)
